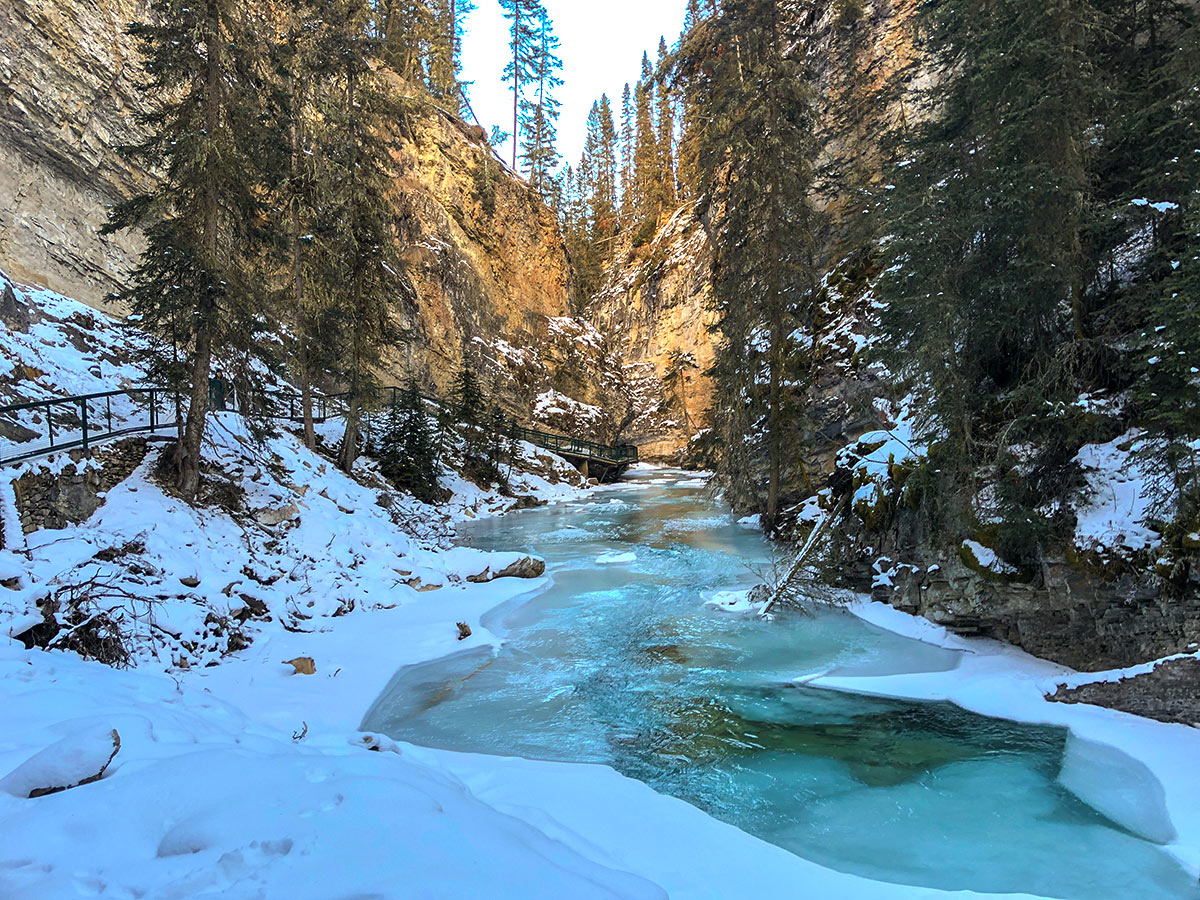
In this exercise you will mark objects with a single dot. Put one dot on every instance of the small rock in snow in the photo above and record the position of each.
(303, 665)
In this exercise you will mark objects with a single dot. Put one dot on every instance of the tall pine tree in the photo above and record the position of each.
(540, 113)
(362, 269)
(756, 162)
(194, 288)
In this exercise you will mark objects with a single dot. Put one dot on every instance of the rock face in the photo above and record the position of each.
(67, 102)
(487, 257)
(1169, 693)
(491, 271)
(655, 307)
(68, 497)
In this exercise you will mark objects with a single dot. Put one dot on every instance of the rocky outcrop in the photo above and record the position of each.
(491, 273)
(655, 307)
(68, 101)
(1168, 693)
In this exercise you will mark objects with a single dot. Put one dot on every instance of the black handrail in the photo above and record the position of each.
(87, 426)
(84, 432)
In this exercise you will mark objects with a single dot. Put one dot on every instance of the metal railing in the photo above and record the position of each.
(78, 423)
(617, 454)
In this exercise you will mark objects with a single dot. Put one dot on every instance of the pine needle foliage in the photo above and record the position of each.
(195, 289)
(407, 455)
(755, 156)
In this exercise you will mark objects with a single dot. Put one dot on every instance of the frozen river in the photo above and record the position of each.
(622, 662)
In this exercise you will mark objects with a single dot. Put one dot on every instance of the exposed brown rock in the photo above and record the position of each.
(302, 665)
(1170, 693)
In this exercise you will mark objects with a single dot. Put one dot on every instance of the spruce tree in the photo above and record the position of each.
(362, 270)
(408, 455)
(756, 161)
(195, 288)
(298, 204)
(665, 179)
(1167, 388)
(407, 30)
(645, 158)
(999, 183)
(468, 396)
(445, 53)
(604, 213)
(628, 141)
(540, 114)
(521, 71)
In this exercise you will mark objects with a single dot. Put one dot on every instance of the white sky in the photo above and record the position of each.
(602, 45)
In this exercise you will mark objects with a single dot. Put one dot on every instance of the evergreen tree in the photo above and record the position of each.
(468, 397)
(362, 270)
(628, 142)
(665, 178)
(408, 454)
(522, 69)
(194, 287)
(298, 203)
(474, 423)
(988, 209)
(645, 157)
(445, 62)
(1167, 389)
(675, 381)
(407, 31)
(756, 160)
(604, 154)
(540, 114)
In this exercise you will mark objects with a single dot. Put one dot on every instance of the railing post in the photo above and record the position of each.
(108, 412)
(50, 423)
(83, 417)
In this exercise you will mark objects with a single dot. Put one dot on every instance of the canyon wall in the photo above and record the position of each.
(655, 302)
(68, 101)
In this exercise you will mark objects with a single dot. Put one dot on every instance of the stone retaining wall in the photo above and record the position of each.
(70, 496)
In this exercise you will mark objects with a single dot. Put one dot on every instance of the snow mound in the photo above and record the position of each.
(79, 758)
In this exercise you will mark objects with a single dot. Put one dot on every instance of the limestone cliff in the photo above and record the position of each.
(67, 102)
(655, 307)
(487, 257)
(491, 272)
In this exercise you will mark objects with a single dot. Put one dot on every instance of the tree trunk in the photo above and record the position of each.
(306, 406)
(774, 429)
(193, 433)
(516, 81)
(349, 452)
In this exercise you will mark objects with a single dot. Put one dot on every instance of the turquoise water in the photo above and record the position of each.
(624, 664)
